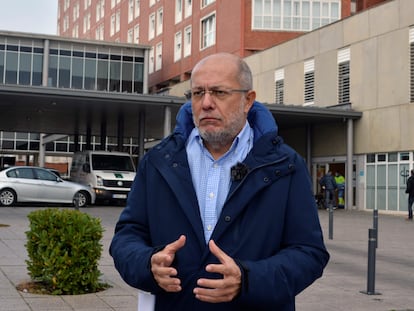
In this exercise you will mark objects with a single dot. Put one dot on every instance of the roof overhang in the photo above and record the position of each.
(68, 111)
(291, 116)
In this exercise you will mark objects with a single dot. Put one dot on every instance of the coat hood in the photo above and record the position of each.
(260, 119)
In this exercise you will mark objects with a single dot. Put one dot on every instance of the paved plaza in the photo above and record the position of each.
(339, 288)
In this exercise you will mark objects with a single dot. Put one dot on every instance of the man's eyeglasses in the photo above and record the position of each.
(196, 95)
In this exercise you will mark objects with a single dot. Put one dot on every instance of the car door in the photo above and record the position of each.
(24, 182)
(54, 189)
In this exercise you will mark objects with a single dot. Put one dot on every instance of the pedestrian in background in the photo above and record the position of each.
(214, 220)
(410, 191)
(328, 183)
(340, 183)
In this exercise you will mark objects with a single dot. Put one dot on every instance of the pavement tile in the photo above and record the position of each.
(338, 289)
(13, 304)
(47, 303)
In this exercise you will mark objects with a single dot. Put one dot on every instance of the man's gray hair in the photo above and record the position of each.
(245, 75)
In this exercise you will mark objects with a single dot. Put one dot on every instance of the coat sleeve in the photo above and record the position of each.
(275, 281)
(131, 247)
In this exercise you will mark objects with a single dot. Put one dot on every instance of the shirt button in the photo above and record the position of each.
(209, 227)
(211, 195)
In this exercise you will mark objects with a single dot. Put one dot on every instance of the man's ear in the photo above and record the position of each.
(250, 98)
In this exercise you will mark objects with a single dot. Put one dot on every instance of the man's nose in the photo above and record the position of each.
(207, 100)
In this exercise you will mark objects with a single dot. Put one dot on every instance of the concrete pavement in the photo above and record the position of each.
(339, 288)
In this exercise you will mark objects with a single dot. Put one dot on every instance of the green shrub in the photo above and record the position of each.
(64, 249)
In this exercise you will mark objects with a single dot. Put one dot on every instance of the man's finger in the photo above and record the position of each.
(176, 245)
(218, 252)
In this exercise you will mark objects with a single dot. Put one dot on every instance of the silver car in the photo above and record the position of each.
(36, 184)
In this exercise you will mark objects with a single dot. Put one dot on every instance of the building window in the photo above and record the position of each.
(178, 11)
(21, 64)
(118, 21)
(187, 41)
(188, 9)
(89, 73)
(309, 89)
(158, 59)
(130, 10)
(99, 32)
(100, 10)
(113, 22)
(386, 178)
(18, 141)
(151, 3)
(344, 58)
(76, 11)
(151, 26)
(130, 37)
(297, 15)
(279, 86)
(77, 71)
(206, 2)
(411, 40)
(160, 18)
(136, 34)
(87, 22)
(66, 5)
(87, 4)
(151, 61)
(65, 23)
(89, 76)
(75, 31)
(137, 8)
(177, 46)
(208, 31)
(95, 70)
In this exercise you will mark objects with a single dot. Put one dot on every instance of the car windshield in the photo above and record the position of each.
(112, 162)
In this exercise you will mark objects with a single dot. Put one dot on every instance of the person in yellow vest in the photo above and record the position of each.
(340, 182)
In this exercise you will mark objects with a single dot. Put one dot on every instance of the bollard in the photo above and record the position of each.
(371, 263)
(330, 222)
(375, 224)
(76, 202)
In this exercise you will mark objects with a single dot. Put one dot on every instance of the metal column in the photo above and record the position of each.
(141, 135)
(167, 121)
(349, 164)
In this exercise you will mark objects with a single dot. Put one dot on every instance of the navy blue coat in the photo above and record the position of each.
(269, 223)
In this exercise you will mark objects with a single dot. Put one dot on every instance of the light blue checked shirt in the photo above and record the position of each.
(212, 178)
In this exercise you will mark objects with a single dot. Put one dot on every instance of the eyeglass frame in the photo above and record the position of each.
(213, 92)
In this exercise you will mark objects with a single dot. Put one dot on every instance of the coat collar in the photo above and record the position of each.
(259, 117)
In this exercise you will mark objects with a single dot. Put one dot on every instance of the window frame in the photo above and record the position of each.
(205, 35)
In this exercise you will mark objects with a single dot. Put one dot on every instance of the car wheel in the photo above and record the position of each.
(81, 199)
(7, 197)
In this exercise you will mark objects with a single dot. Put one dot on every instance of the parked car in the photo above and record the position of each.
(56, 172)
(36, 184)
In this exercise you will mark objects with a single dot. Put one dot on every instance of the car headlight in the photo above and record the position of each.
(99, 181)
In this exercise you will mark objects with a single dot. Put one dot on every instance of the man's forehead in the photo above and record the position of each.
(216, 75)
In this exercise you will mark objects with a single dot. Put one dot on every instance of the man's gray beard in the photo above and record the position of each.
(217, 138)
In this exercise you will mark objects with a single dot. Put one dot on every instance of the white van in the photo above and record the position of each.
(109, 173)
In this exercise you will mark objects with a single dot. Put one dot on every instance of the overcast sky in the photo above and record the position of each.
(36, 16)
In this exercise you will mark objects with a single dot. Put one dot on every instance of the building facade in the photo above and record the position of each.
(81, 94)
(362, 61)
(54, 62)
(365, 62)
(181, 32)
